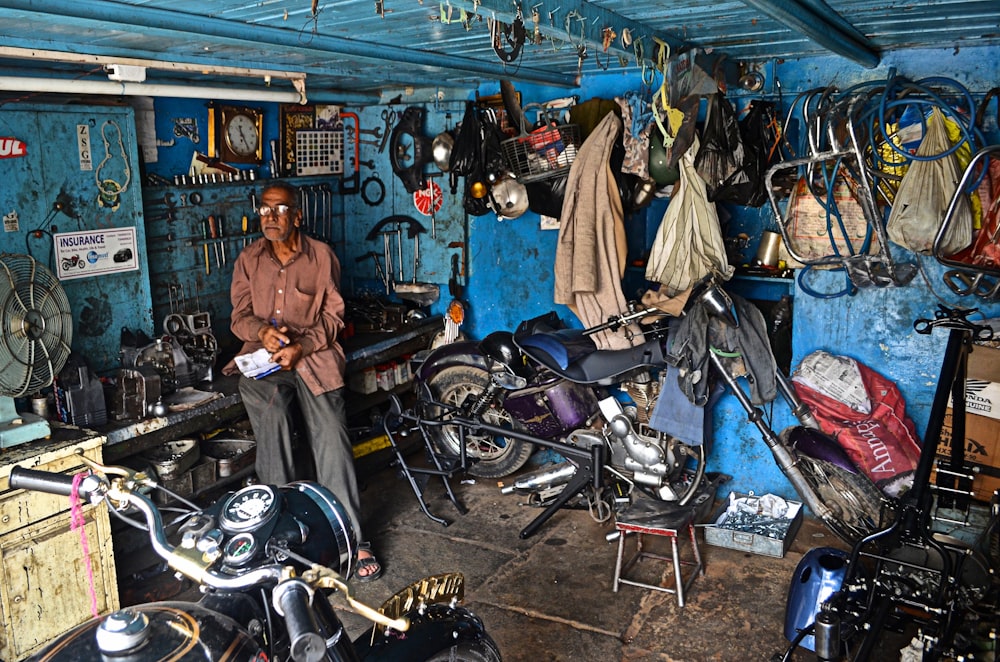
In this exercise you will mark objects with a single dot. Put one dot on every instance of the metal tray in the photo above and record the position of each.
(756, 543)
(173, 458)
(231, 455)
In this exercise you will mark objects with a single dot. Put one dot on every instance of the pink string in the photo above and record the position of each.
(76, 521)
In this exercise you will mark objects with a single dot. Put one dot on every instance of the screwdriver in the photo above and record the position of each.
(221, 225)
(245, 221)
(204, 236)
(213, 233)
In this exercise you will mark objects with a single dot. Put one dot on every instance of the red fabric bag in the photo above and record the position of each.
(865, 412)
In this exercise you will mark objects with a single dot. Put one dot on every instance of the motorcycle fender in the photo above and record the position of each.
(820, 446)
(436, 629)
(464, 352)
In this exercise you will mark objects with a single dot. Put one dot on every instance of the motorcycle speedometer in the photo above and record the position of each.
(248, 508)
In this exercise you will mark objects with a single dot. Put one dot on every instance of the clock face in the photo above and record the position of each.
(241, 134)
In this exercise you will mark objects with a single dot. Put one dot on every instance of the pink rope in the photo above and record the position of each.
(76, 521)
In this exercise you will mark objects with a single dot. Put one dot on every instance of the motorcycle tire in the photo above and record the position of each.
(493, 457)
(483, 650)
(854, 500)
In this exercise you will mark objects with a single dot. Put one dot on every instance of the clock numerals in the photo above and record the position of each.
(239, 134)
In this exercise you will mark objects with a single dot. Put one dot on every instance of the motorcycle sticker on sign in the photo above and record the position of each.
(95, 253)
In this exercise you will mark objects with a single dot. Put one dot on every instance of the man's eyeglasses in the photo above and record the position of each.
(280, 210)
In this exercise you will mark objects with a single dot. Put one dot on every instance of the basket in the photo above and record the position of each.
(545, 152)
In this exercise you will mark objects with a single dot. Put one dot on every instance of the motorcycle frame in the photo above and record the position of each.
(912, 525)
(590, 461)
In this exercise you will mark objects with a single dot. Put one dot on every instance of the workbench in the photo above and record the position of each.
(126, 438)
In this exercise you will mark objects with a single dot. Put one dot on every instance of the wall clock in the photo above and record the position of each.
(237, 135)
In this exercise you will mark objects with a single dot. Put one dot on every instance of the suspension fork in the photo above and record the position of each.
(786, 461)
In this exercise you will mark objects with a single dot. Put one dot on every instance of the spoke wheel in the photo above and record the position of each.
(853, 498)
(495, 455)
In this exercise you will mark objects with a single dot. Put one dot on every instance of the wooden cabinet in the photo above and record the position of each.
(44, 587)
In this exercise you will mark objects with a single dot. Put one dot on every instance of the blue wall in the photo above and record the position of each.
(513, 261)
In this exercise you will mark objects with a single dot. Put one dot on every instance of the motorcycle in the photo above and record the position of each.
(268, 561)
(492, 403)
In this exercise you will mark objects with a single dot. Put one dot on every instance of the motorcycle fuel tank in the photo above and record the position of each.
(552, 409)
(158, 631)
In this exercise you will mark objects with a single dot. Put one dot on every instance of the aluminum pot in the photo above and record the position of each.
(441, 148)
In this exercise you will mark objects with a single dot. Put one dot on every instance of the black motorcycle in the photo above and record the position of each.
(268, 560)
(492, 403)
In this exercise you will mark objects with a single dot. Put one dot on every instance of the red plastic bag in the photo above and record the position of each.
(865, 412)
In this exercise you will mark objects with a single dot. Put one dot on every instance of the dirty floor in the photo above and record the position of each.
(549, 597)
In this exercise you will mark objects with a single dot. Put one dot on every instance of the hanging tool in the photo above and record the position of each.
(389, 117)
(213, 233)
(220, 223)
(372, 255)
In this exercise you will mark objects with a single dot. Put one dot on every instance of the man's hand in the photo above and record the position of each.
(287, 356)
(274, 338)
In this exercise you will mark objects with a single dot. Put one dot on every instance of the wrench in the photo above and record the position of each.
(370, 163)
(377, 131)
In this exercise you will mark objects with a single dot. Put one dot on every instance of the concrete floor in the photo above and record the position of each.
(549, 598)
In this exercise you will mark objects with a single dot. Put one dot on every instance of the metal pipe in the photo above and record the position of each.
(193, 26)
(79, 86)
(821, 28)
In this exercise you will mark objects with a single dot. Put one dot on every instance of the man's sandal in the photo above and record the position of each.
(367, 562)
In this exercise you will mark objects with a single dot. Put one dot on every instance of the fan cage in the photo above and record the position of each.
(36, 326)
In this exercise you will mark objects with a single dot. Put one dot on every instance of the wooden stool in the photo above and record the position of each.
(658, 518)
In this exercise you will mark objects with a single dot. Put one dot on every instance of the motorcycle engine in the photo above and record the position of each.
(652, 456)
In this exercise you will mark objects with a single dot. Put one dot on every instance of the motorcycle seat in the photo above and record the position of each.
(575, 357)
(560, 348)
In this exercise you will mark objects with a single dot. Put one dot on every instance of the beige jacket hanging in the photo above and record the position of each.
(590, 254)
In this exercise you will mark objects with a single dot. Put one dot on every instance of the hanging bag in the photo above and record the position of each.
(688, 243)
(721, 157)
(924, 194)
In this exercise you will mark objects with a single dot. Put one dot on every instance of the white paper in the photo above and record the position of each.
(257, 364)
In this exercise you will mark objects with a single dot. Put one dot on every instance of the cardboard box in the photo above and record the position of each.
(982, 452)
(982, 421)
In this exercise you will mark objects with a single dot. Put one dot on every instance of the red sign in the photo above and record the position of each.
(428, 200)
(12, 147)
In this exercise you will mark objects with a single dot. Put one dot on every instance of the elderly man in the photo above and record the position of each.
(286, 299)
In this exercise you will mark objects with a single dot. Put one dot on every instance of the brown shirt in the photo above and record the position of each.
(303, 295)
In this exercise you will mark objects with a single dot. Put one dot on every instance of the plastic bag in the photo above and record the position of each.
(465, 151)
(865, 412)
(688, 243)
(721, 157)
(759, 135)
(924, 194)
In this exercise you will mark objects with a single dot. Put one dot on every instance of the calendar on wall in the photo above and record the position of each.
(319, 152)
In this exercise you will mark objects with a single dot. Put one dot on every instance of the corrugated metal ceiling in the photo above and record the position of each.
(356, 50)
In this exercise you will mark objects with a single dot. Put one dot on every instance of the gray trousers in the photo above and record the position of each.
(269, 405)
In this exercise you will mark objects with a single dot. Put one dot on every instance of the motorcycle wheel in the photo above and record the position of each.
(494, 456)
(483, 650)
(853, 499)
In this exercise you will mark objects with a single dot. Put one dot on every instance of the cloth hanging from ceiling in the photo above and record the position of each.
(688, 243)
(590, 253)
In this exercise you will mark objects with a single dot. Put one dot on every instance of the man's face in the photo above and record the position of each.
(277, 226)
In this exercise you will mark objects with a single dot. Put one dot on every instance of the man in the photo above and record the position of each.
(286, 299)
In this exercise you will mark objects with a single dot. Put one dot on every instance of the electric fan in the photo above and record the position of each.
(36, 330)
